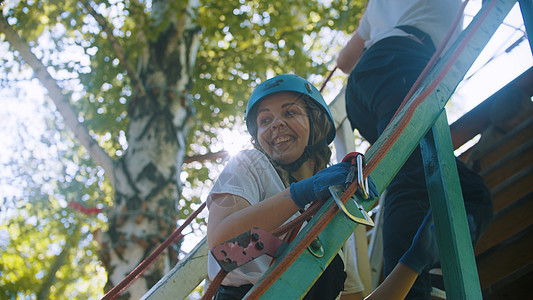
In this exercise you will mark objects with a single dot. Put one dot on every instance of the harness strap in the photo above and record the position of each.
(421, 35)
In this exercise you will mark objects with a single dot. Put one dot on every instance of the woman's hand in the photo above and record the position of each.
(316, 187)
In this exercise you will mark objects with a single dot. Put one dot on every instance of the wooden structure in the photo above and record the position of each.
(504, 157)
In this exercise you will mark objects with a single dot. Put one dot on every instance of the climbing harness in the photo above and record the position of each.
(245, 247)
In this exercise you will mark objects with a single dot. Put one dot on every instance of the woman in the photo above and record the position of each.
(291, 128)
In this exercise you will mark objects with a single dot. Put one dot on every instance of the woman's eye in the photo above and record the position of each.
(264, 121)
(292, 112)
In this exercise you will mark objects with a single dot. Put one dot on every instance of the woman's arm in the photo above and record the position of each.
(396, 285)
(231, 215)
(350, 54)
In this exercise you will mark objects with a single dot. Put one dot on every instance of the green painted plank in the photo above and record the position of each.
(526, 7)
(455, 248)
(183, 278)
(301, 274)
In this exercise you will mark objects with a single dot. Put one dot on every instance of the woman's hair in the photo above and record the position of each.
(321, 153)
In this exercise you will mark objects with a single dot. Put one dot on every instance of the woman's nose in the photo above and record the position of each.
(279, 121)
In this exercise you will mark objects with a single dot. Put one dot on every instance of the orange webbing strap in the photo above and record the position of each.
(328, 216)
(211, 290)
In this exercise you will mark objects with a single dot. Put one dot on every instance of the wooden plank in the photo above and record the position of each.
(512, 189)
(307, 267)
(183, 278)
(453, 238)
(508, 165)
(512, 140)
(478, 119)
(526, 7)
(517, 285)
(506, 257)
(507, 222)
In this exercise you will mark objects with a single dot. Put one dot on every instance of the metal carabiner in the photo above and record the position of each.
(363, 184)
(336, 191)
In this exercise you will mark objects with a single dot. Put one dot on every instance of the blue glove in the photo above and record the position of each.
(423, 251)
(316, 187)
(372, 190)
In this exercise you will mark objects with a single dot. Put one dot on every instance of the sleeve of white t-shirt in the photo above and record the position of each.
(363, 30)
(249, 175)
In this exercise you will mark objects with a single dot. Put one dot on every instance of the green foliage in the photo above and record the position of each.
(242, 43)
(48, 249)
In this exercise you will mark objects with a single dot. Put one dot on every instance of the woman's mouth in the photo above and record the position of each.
(282, 139)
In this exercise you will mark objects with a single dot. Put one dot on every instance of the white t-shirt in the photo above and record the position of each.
(435, 17)
(250, 175)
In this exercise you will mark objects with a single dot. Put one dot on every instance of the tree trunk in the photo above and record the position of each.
(147, 186)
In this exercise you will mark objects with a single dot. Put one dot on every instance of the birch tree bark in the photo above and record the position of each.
(147, 177)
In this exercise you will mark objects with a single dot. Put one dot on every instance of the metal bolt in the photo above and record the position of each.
(315, 244)
(259, 246)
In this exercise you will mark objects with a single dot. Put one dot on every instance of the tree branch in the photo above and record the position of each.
(61, 101)
(119, 51)
(48, 281)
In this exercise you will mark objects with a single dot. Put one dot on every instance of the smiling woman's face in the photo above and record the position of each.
(283, 126)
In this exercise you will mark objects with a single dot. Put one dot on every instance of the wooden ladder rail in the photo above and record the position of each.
(460, 273)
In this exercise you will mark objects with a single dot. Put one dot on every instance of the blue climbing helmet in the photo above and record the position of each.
(286, 83)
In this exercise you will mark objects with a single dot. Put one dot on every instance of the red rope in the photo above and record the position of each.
(175, 236)
(84, 209)
(327, 79)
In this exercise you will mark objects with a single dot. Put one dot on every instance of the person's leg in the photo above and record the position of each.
(407, 200)
(406, 204)
(478, 201)
(382, 80)
(358, 114)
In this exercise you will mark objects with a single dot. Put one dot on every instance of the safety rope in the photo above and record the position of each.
(279, 269)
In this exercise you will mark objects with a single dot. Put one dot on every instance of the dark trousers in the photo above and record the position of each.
(376, 88)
